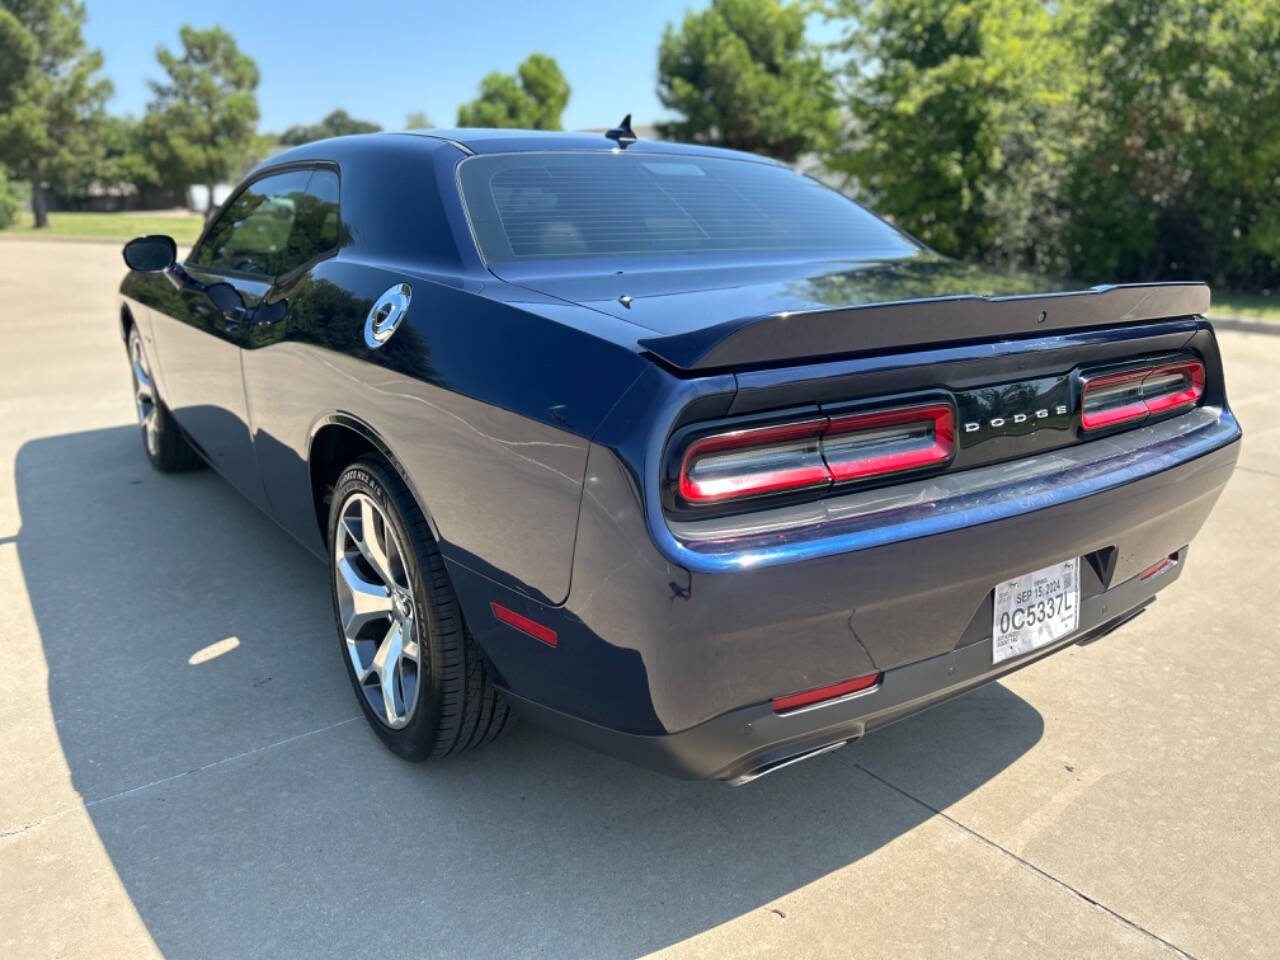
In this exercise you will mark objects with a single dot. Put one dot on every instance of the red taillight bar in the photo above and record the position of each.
(1189, 376)
(786, 457)
(819, 694)
(934, 447)
(1134, 395)
(817, 452)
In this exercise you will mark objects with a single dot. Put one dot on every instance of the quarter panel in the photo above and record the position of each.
(487, 407)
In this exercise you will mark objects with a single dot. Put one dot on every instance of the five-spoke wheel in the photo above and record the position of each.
(421, 680)
(376, 610)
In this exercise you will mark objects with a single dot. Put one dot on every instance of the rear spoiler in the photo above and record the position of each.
(874, 327)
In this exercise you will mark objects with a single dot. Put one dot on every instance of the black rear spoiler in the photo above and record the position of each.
(875, 327)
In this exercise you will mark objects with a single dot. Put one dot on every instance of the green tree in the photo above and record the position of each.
(959, 122)
(8, 201)
(51, 99)
(1177, 172)
(533, 99)
(124, 154)
(339, 123)
(200, 126)
(19, 51)
(743, 76)
(417, 120)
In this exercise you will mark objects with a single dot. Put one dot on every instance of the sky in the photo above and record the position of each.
(378, 60)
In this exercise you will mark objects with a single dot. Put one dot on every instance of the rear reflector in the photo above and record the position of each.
(812, 454)
(796, 700)
(1165, 563)
(1134, 395)
(524, 624)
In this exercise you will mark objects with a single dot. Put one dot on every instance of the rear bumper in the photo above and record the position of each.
(745, 743)
(671, 659)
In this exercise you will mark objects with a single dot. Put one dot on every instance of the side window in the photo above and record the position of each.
(253, 234)
(316, 225)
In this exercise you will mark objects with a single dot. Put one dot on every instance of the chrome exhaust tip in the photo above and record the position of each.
(777, 765)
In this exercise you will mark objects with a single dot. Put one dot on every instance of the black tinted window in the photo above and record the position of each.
(252, 233)
(315, 228)
(529, 206)
(275, 224)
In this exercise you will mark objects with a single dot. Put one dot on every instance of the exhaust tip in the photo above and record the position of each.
(1113, 625)
(776, 765)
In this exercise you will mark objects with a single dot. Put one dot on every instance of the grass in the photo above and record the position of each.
(182, 226)
(1245, 306)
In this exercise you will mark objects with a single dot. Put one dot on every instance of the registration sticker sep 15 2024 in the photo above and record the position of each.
(1035, 609)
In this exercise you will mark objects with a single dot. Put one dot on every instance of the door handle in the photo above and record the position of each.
(273, 312)
(229, 303)
(233, 319)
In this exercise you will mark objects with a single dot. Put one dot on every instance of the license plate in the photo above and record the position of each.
(1035, 609)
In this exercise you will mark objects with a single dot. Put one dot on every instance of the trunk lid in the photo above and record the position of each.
(747, 314)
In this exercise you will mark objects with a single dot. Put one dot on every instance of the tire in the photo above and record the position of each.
(454, 706)
(166, 448)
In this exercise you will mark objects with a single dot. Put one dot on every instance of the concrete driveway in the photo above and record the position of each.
(1116, 800)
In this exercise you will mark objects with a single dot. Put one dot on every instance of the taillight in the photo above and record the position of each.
(746, 463)
(815, 453)
(889, 441)
(1132, 395)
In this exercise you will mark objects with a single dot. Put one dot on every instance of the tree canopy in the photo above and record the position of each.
(1110, 141)
(338, 123)
(200, 126)
(51, 98)
(533, 99)
(742, 75)
(957, 121)
(1177, 170)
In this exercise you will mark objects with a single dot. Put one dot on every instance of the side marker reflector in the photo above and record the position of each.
(524, 624)
(1159, 567)
(796, 700)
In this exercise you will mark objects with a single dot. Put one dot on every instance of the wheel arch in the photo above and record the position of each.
(338, 439)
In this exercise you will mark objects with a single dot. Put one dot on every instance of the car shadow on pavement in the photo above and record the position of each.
(208, 725)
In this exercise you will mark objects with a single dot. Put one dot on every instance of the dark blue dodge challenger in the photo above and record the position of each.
(669, 449)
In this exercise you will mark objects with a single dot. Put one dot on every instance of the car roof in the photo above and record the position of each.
(482, 140)
(493, 140)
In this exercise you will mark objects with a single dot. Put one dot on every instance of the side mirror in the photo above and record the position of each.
(151, 254)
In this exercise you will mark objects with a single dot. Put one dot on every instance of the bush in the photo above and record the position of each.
(1108, 141)
(10, 200)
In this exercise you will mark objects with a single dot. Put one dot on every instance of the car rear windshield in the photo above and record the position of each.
(535, 206)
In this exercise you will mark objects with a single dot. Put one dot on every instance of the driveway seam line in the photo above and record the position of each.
(86, 804)
(1265, 473)
(24, 827)
(218, 763)
(1028, 864)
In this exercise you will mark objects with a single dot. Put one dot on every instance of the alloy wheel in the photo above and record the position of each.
(144, 395)
(376, 609)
